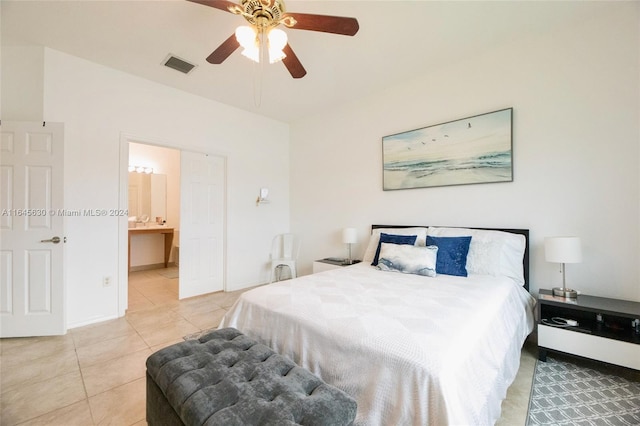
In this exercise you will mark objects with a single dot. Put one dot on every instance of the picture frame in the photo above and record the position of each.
(470, 150)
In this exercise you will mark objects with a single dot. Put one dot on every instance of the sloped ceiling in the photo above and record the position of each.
(397, 41)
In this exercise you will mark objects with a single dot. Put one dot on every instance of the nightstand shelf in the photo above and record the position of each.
(329, 263)
(605, 330)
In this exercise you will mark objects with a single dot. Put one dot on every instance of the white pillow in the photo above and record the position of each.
(496, 253)
(408, 259)
(370, 253)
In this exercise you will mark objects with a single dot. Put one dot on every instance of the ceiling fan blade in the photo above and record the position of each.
(224, 50)
(292, 63)
(218, 4)
(324, 23)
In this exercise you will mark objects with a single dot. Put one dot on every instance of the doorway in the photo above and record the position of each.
(154, 224)
(201, 251)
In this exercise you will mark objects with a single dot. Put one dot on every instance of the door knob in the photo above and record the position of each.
(54, 240)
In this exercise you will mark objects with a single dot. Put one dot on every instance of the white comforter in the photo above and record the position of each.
(412, 350)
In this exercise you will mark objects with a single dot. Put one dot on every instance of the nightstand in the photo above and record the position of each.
(330, 263)
(607, 329)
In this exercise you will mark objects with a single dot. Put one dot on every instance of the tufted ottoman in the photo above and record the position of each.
(226, 378)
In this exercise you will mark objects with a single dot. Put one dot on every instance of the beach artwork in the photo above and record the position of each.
(471, 150)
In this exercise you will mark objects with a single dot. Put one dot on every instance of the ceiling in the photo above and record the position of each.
(397, 41)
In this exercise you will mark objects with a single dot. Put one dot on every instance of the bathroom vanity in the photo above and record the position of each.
(153, 229)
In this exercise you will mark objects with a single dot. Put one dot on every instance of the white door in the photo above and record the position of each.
(202, 207)
(32, 291)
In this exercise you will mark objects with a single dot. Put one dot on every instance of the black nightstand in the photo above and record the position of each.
(607, 329)
(331, 263)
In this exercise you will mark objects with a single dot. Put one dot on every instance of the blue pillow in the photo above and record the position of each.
(452, 254)
(393, 239)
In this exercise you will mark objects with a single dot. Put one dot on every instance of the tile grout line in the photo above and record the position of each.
(180, 312)
(84, 385)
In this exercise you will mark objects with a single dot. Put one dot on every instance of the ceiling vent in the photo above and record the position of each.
(178, 64)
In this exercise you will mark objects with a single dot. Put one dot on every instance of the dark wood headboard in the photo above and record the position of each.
(525, 232)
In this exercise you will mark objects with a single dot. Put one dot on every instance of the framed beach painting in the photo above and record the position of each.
(470, 150)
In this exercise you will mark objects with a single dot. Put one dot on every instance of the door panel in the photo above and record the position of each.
(6, 274)
(202, 225)
(6, 195)
(32, 296)
(38, 281)
(38, 196)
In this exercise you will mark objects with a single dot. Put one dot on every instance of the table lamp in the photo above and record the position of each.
(349, 237)
(563, 250)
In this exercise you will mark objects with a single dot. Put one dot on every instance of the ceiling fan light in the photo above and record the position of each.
(252, 52)
(276, 55)
(277, 38)
(277, 42)
(246, 36)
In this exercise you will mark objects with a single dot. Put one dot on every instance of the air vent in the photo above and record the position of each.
(178, 64)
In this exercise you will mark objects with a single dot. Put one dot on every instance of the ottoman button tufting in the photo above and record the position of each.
(193, 383)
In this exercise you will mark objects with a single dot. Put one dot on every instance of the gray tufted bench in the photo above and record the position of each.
(226, 378)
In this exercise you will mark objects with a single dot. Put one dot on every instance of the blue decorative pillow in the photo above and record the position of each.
(394, 239)
(408, 259)
(452, 254)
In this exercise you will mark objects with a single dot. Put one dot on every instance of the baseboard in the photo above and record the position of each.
(93, 320)
(150, 267)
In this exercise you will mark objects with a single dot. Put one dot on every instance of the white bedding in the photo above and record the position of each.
(412, 350)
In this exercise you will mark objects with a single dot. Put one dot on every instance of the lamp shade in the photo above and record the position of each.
(562, 249)
(349, 235)
(248, 39)
(277, 41)
(246, 36)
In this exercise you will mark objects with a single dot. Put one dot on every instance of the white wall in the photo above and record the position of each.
(97, 106)
(22, 83)
(576, 153)
(576, 134)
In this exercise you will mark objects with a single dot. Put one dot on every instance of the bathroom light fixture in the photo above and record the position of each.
(563, 250)
(349, 237)
(141, 169)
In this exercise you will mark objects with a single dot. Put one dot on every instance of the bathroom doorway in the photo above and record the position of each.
(153, 225)
(196, 211)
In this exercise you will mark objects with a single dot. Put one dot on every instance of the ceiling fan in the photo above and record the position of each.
(264, 16)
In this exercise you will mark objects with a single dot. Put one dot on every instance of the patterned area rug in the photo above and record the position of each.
(568, 393)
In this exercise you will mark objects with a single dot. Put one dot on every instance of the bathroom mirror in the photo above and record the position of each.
(148, 195)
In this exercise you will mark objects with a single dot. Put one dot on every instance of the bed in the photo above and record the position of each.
(411, 348)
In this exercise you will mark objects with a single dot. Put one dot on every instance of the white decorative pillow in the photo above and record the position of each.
(408, 259)
(370, 253)
(496, 253)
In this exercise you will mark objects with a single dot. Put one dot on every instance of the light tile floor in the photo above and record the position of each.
(95, 375)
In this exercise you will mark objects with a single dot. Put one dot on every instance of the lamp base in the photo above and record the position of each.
(565, 292)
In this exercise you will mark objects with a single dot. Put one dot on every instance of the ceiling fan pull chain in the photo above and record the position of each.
(257, 81)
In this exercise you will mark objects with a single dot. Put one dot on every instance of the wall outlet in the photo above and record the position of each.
(106, 282)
